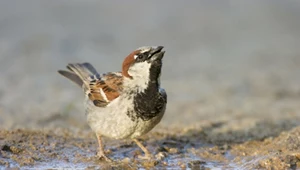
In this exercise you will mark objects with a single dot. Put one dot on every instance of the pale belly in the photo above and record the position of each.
(112, 121)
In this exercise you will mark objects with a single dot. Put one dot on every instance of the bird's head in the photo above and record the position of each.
(143, 65)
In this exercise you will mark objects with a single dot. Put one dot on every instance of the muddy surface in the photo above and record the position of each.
(195, 147)
(231, 71)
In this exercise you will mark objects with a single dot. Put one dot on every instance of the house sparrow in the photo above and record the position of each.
(125, 104)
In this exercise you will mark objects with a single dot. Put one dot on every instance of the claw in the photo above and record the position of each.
(102, 156)
(148, 155)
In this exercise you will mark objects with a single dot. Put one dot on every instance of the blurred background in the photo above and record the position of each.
(225, 60)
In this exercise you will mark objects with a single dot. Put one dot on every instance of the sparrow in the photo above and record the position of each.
(125, 104)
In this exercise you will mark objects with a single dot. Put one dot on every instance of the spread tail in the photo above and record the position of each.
(79, 73)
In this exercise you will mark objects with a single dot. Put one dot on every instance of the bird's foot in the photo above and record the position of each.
(102, 156)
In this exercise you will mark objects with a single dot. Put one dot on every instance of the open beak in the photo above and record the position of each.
(156, 53)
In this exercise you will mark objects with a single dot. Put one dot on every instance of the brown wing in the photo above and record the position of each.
(105, 88)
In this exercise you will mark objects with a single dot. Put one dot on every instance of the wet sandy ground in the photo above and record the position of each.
(231, 72)
(196, 148)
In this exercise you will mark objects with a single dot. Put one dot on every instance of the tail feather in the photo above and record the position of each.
(79, 72)
(90, 68)
(72, 76)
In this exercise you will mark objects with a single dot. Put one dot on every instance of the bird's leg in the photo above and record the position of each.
(101, 153)
(145, 150)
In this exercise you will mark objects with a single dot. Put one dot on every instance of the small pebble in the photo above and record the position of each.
(126, 160)
(160, 155)
(183, 166)
(173, 150)
(195, 164)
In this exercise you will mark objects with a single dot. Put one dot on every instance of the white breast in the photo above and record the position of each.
(112, 121)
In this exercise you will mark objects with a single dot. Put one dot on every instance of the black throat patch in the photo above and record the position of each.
(150, 103)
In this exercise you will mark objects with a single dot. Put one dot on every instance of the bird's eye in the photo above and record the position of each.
(140, 56)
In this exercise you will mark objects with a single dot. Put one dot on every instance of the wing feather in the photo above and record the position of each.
(105, 88)
(100, 89)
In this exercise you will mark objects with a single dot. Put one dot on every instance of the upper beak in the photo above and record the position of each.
(156, 52)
